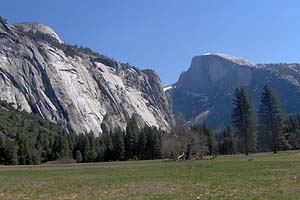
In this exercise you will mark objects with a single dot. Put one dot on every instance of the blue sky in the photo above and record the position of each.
(165, 34)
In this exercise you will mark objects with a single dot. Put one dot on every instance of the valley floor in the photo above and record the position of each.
(258, 176)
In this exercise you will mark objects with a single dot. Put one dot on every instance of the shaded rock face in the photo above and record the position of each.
(204, 93)
(85, 92)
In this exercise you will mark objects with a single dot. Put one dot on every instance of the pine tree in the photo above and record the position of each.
(211, 140)
(36, 155)
(142, 144)
(231, 141)
(131, 139)
(2, 150)
(78, 156)
(10, 153)
(86, 149)
(21, 154)
(62, 147)
(100, 147)
(92, 154)
(24, 152)
(156, 148)
(270, 119)
(28, 153)
(227, 144)
(243, 120)
(109, 147)
(118, 145)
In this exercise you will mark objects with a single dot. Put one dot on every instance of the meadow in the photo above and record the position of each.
(257, 176)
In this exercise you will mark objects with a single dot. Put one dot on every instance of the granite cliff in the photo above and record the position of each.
(75, 87)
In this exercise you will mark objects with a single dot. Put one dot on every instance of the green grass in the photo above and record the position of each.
(258, 176)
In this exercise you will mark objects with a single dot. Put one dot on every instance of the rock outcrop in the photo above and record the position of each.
(75, 87)
(204, 93)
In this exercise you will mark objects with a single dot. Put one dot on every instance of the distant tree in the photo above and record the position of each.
(10, 153)
(86, 149)
(243, 120)
(100, 147)
(156, 145)
(188, 153)
(109, 147)
(22, 154)
(78, 156)
(36, 155)
(227, 142)
(118, 145)
(211, 140)
(142, 144)
(2, 150)
(92, 153)
(270, 120)
(62, 148)
(27, 138)
(131, 139)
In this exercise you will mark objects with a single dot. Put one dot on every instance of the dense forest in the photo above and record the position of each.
(26, 138)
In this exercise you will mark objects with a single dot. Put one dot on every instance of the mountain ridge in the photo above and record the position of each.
(204, 93)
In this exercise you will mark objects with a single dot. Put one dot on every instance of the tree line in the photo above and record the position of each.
(26, 138)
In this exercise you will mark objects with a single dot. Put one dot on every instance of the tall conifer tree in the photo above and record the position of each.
(243, 120)
(270, 119)
(131, 139)
(118, 145)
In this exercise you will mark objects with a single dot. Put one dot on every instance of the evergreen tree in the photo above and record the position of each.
(131, 139)
(28, 153)
(243, 120)
(270, 120)
(118, 145)
(2, 150)
(62, 148)
(227, 143)
(142, 143)
(211, 140)
(78, 156)
(100, 147)
(22, 154)
(28, 139)
(36, 155)
(92, 154)
(10, 153)
(156, 146)
(86, 149)
(153, 145)
(109, 147)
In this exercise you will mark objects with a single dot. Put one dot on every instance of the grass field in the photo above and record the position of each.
(258, 176)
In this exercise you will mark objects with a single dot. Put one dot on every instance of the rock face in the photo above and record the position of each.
(205, 91)
(75, 87)
(37, 27)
